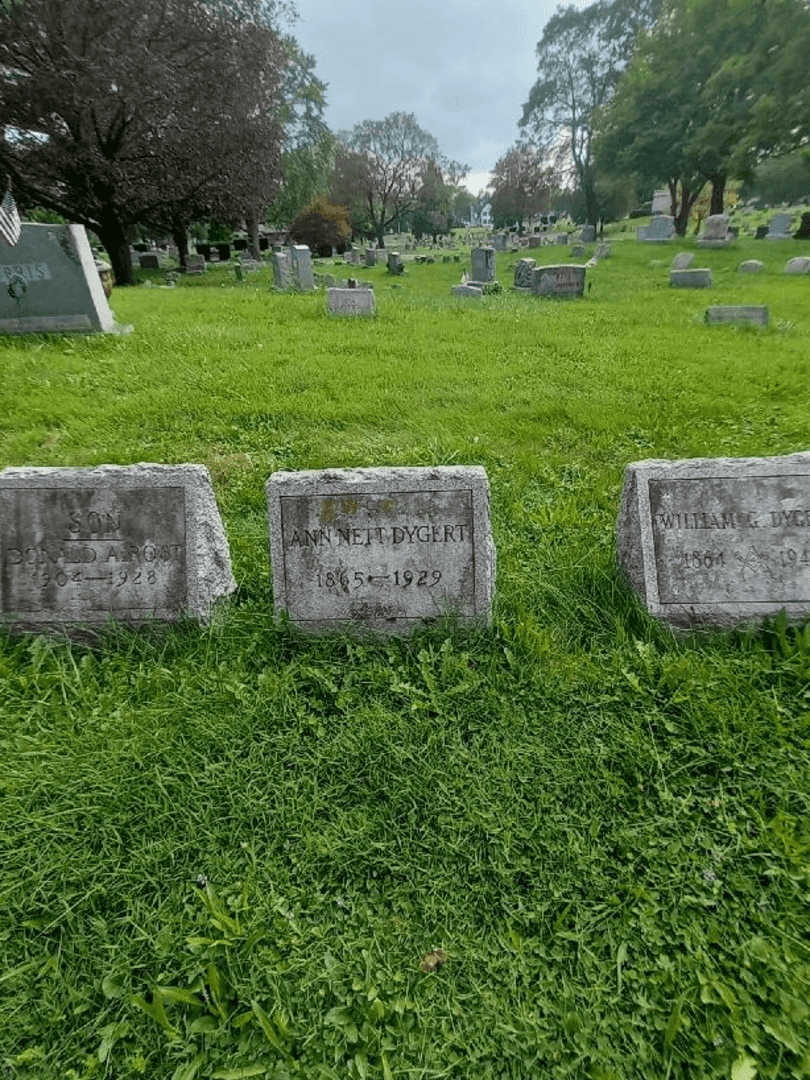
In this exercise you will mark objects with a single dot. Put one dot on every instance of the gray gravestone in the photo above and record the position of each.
(800, 265)
(350, 301)
(564, 280)
(577, 251)
(751, 266)
(683, 261)
(588, 234)
(301, 263)
(371, 257)
(130, 543)
(562, 238)
(523, 273)
(718, 542)
(394, 264)
(483, 264)
(738, 313)
(281, 269)
(779, 228)
(691, 279)
(659, 231)
(534, 242)
(149, 261)
(49, 282)
(386, 549)
(715, 232)
(603, 251)
(473, 291)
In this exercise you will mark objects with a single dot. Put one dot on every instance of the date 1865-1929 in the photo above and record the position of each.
(399, 578)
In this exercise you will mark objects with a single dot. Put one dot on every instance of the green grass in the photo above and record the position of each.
(229, 848)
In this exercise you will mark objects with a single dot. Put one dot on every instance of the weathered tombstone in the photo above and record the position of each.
(394, 264)
(281, 269)
(715, 232)
(483, 264)
(533, 241)
(603, 251)
(779, 228)
(659, 231)
(500, 242)
(131, 543)
(800, 265)
(691, 279)
(385, 549)
(149, 261)
(371, 257)
(561, 238)
(577, 251)
(718, 542)
(195, 264)
(473, 291)
(683, 260)
(751, 266)
(51, 284)
(350, 301)
(524, 269)
(738, 313)
(563, 280)
(588, 234)
(301, 263)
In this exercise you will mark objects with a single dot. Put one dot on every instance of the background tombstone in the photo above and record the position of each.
(691, 279)
(483, 264)
(371, 257)
(800, 265)
(660, 230)
(588, 234)
(472, 291)
(49, 282)
(524, 268)
(561, 238)
(135, 543)
(779, 227)
(718, 542)
(386, 549)
(715, 232)
(751, 266)
(195, 264)
(562, 280)
(350, 301)
(149, 261)
(683, 260)
(395, 266)
(301, 262)
(603, 251)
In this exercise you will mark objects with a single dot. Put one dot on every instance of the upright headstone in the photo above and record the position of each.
(718, 541)
(588, 234)
(301, 261)
(751, 266)
(800, 265)
(523, 273)
(149, 261)
(80, 547)
(683, 260)
(561, 238)
(394, 264)
(715, 232)
(660, 230)
(350, 301)
(195, 264)
(49, 282)
(603, 251)
(779, 228)
(563, 280)
(384, 549)
(483, 264)
(371, 257)
(281, 269)
(533, 242)
(691, 279)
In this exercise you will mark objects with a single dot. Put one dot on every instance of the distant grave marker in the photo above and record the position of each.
(563, 280)
(779, 227)
(49, 282)
(700, 278)
(386, 549)
(350, 301)
(83, 546)
(738, 313)
(718, 542)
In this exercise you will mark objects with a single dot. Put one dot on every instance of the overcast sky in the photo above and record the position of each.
(464, 67)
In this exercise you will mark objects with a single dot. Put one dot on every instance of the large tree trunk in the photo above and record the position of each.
(252, 223)
(683, 211)
(718, 192)
(113, 237)
(180, 237)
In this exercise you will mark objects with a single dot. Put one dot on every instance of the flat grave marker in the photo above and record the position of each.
(385, 549)
(718, 542)
(132, 543)
(751, 314)
(565, 279)
(49, 282)
(350, 301)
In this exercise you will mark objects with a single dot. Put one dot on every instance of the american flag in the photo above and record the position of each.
(10, 227)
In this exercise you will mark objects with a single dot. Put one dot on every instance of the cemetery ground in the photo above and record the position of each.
(574, 845)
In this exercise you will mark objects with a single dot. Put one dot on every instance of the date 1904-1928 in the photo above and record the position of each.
(399, 578)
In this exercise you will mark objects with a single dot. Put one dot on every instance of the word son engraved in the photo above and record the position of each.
(82, 553)
(718, 542)
(384, 548)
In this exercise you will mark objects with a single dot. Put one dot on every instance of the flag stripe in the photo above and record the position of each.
(10, 227)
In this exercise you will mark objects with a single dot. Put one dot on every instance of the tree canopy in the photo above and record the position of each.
(384, 168)
(126, 111)
(522, 186)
